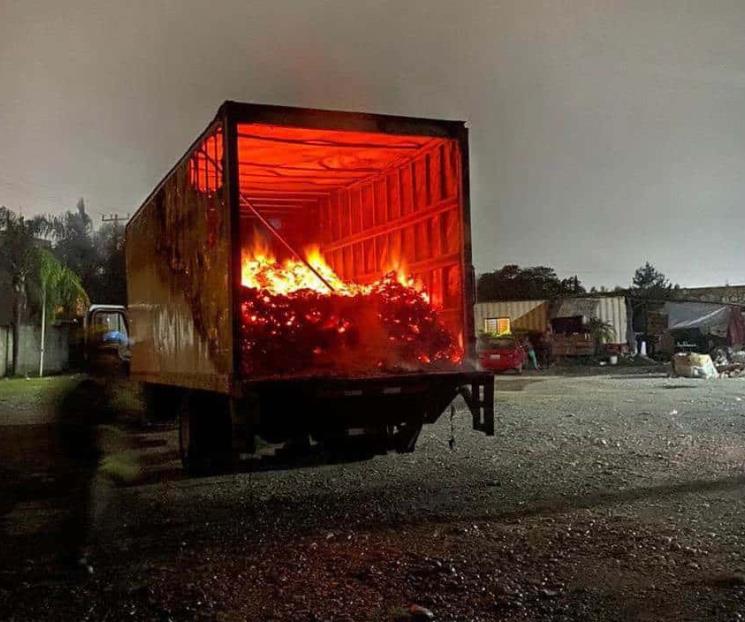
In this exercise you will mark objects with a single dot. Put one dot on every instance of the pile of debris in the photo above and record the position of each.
(693, 365)
(387, 327)
(722, 363)
(730, 362)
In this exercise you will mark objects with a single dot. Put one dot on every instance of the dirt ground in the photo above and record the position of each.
(614, 497)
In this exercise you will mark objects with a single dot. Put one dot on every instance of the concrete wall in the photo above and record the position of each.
(56, 350)
(724, 294)
(6, 349)
(6, 298)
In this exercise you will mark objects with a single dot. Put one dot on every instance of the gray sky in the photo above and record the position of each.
(603, 133)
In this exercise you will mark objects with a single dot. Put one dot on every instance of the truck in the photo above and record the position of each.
(238, 331)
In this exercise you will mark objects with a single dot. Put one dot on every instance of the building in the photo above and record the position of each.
(726, 294)
(562, 315)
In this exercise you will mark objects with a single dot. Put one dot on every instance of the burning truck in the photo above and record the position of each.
(305, 276)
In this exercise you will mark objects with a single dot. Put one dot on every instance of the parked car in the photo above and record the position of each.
(500, 354)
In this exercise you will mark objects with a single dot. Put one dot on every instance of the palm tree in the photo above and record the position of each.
(601, 332)
(19, 257)
(61, 290)
(32, 269)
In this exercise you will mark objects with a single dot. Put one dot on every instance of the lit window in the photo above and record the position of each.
(498, 325)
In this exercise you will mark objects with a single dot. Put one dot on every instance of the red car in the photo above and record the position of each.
(500, 354)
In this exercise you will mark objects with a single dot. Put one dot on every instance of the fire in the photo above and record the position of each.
(261, 270)
(294, 323)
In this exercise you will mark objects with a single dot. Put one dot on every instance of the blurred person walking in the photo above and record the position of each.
(79, 416)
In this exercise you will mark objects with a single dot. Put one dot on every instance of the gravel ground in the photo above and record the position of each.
(600, 498)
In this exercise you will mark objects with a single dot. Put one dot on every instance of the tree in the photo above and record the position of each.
(72, 233)
(110, 283)
(19, 257)
(648, 281)
(648, 284)
(512, 282)
(97, 256)
(35, 275)
(61, 291)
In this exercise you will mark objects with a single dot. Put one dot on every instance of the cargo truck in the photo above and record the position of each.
(305, 276)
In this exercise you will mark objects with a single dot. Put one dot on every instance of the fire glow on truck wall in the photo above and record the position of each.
(350, 249)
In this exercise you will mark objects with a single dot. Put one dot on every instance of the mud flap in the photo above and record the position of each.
(479, 397)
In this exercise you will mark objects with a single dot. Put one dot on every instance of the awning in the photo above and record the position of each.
(708, 317)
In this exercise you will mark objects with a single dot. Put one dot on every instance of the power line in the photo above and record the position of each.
(115, 218)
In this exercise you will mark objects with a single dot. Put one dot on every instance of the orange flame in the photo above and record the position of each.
(260, 269)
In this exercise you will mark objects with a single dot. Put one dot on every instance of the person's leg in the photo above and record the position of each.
(77, 522)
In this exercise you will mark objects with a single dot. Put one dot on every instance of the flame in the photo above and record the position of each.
(294, 323)
(260, 269)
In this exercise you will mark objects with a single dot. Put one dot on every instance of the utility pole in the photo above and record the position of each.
(115, 218)
(43, 327)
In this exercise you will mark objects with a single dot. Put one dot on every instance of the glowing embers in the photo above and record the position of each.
(293, 324)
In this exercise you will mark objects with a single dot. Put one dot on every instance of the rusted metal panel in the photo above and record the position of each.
(525, 315)
(178, 256)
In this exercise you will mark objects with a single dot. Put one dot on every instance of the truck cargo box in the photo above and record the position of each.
(342, 202)
(305, 276)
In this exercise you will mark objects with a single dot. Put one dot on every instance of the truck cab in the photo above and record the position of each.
(106, 332)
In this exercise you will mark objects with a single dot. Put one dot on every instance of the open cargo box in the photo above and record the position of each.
(371, 204)
(374, 193)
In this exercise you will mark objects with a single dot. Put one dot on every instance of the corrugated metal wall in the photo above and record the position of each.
(612, 309)
(524, 314)
(533, 315)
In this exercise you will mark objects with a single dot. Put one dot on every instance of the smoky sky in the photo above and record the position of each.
(603, 133)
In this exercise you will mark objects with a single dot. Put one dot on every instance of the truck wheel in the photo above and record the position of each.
(192, 457)
(205, 440)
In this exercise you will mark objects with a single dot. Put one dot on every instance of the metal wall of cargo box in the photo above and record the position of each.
(183, 267)
(177, 249)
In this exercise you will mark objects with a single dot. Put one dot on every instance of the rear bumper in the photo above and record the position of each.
(379, 400)
(499, 365)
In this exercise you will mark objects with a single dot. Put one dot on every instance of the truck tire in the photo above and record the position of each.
(205, 440)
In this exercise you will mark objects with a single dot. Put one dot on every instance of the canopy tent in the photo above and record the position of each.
(725, 321)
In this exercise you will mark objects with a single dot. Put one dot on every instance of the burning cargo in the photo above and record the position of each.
(298, 257)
